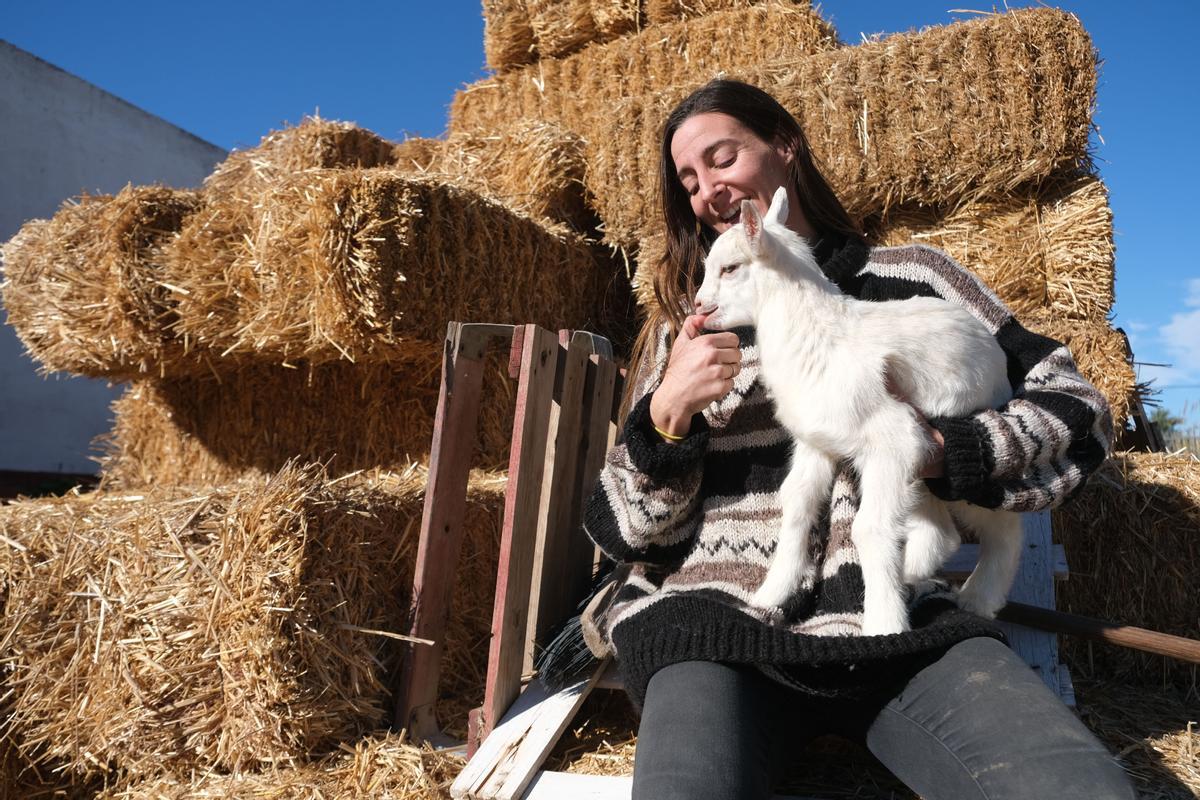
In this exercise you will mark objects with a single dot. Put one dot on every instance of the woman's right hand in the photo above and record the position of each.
(700, 369)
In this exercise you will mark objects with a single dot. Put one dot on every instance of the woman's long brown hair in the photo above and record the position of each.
(677, 274)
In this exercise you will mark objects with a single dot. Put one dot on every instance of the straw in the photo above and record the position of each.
(314, 143)
(1046, 246)
(226, 628)
(533, 167)
(383, 765)
(1130, 538)
(85, 290)
(507, 35)
(251, 421)
(581, 91)
(953, 113)
(357, 264)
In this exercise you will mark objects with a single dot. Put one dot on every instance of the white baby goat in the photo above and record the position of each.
(827, 361)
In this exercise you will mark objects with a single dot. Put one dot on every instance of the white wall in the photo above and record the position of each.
(59, 135)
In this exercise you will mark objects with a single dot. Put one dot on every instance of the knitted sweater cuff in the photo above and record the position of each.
(967, 465)
(661, 460)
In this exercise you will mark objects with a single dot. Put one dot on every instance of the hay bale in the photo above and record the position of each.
(418, 153)
(1130, 538)
(84, 290)
(225, 629)
(560, 26)
(315, 143)
(1046, 246)
(954, 113)
(507, 35)
(384, 765)
(616, 18)
(355, 264)
(582, 90)
(520, 32)
(533, 167)
(210, 430)
(659, 12)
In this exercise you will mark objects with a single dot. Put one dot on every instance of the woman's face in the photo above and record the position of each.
(721, 162)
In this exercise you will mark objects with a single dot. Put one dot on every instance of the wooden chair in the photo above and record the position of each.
(564, 422)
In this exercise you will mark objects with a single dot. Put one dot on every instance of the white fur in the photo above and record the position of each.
(824, 360)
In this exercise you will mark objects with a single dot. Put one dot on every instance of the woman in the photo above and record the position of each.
(689, 499)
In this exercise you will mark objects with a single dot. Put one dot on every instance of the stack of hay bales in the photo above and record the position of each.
(215, 619)
(228, 601)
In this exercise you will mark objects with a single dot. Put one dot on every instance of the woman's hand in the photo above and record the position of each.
(935, 464)
(700, 369)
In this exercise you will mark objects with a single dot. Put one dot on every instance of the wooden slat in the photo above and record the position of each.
(599, 433)
(1034, 585)
(440, 542)
(522, 502)
(510, 756)
(557, 589)
(962, 563)
(600, 427)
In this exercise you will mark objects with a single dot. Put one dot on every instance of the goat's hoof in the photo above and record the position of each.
(980, 606)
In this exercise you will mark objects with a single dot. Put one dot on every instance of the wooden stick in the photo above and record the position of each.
(1163, 644)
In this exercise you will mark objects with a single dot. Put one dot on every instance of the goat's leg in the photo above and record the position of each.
(930, 537)
(894, 446)
(805, 486)
(1000, 541)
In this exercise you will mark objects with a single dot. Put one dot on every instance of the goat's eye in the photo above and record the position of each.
(729, 269)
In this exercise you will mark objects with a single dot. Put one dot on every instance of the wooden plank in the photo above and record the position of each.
(440, 542)
(559, 785)
(509, 758)
(1034, 585)
(963, 562)
(600, 429)
(522, 503)
(560, 576)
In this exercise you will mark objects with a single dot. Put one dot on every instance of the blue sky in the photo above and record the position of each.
(229, 72)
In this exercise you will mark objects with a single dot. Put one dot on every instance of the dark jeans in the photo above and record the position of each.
(977, 723)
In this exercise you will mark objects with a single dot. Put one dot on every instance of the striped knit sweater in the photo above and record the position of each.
(698, 521)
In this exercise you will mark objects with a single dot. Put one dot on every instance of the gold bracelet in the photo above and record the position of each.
(670, 437)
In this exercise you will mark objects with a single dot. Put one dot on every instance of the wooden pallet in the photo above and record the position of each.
(568, 388)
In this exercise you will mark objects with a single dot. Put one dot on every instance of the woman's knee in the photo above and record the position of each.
(705, 733)
(982, 722)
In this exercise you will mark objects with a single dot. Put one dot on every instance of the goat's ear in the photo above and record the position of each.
(778, 212)
(752, 222)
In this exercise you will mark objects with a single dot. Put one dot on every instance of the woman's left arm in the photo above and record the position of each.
(1037, 449)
